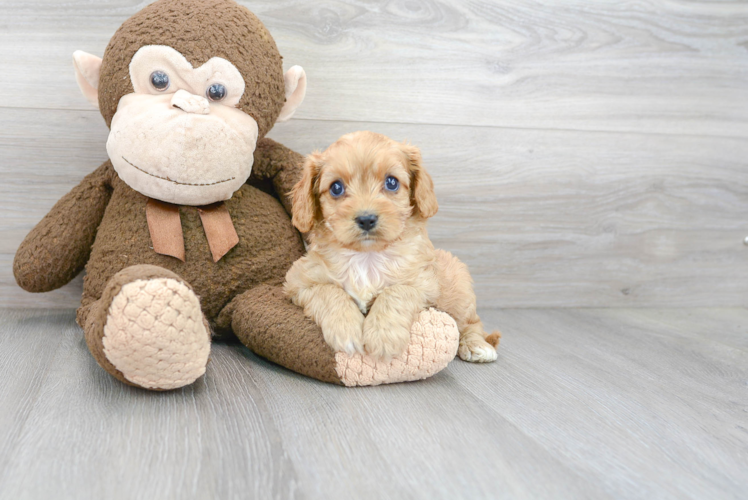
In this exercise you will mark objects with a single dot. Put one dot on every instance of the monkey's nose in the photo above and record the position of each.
(367, 222)
(190, 103)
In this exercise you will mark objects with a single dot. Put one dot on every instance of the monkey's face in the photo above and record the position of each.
(187, 87)
(179, 136)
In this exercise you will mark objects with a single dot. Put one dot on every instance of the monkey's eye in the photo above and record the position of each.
(216, 92)
(337, 189)
(391, 184)
(160, 80)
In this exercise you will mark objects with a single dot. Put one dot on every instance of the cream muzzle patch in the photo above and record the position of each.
(179, 137)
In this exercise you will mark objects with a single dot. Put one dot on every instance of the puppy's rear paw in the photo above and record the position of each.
(477, 351)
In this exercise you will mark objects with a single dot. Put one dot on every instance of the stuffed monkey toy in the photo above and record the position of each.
(185, 231)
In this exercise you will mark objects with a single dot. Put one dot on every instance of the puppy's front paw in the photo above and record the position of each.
(476, 350)
(343, 331)
(385, 337)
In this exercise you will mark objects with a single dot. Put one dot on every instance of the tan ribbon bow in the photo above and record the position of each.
(165, 227)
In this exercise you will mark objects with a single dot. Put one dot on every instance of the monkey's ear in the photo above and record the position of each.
(295, 81)
(304, 200)
(422, 186)
(87, 67)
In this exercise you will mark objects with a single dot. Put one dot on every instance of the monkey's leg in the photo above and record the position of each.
(271, 326)
(268, 323)
(147, 329)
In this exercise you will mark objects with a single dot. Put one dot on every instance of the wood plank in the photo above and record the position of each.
(543, 218)
(586, 403)
(27, 347)
(429, 440)
(661, 67)
(253, 430)
(43, 154)
(718, 325)
(652, 409)
(89, 436)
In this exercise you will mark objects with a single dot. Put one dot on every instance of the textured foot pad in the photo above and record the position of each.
(434, 339)
(155, 334)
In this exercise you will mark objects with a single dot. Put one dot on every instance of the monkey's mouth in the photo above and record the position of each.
(177, 182)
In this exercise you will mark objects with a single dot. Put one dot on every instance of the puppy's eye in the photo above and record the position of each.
(216, 92)
(337, 189)
(160, 80)
(391, 184)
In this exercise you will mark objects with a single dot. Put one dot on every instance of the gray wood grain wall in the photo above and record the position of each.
(585, 153)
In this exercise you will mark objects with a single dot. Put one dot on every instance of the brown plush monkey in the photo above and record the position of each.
(178, 239)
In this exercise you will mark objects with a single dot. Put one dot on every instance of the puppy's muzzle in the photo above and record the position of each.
(367, 222)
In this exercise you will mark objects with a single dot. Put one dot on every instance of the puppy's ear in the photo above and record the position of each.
(421, 185)
(304, 199)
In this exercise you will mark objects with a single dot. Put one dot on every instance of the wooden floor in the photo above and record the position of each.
(582, 403)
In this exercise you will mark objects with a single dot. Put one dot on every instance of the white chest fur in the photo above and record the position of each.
(363, 275)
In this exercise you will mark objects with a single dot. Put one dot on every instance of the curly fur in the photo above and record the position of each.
(365, 288)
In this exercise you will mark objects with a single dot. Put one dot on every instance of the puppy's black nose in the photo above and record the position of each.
(367, 221)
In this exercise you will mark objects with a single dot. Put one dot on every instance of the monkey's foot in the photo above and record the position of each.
(269, 324)
(154, 334)
(433, 344)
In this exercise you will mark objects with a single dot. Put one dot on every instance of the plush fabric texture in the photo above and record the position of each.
(102, 221)
(178, 157)
(269, 324)
(434, 338)
(155, 334)
(199, 30)
(276, 170)
(165, 227)
(266, 322)
(191, 81)
(268, 245)
(219, 229)
(295, 85)
(57, 249)
(87, 68)
(94, 316)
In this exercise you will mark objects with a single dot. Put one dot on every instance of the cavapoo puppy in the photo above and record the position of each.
(370, 267)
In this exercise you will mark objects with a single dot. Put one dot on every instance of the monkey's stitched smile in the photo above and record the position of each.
(177, 182)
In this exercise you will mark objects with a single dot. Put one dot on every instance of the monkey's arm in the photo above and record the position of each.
(276, 163)
(57, 249)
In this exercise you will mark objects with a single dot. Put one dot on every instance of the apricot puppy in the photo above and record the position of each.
(370, 267)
